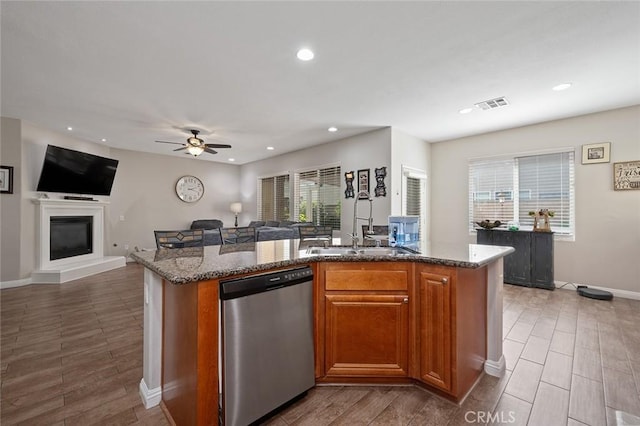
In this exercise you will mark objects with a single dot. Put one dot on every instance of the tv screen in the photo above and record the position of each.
(74, 172)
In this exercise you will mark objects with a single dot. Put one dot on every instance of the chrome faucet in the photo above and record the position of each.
(354, 234)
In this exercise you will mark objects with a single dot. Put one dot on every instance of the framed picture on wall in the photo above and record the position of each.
(596, 153)
(626, 175)
(6, 180)
(363, 182)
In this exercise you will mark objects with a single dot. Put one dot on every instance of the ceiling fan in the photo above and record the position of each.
(196, 146)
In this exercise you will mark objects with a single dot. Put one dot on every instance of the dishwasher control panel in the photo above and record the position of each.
(298, 273)
(238, 287)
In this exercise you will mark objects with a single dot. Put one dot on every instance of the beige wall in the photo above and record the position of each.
(10, 217)
(408, 151)
(607, 241)
(144, 196)
(366, 151)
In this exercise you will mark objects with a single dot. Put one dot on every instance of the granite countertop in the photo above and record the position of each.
(182, 266)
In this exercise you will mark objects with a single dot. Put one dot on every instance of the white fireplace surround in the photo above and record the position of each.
(71, 268)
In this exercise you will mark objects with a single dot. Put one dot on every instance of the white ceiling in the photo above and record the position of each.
(134, 72)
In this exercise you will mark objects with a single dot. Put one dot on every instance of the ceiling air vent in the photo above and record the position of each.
(493, 103)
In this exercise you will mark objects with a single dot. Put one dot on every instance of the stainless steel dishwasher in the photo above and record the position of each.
(267, 343)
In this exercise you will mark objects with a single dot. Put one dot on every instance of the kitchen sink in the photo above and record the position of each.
(331, 251)
(383, 251)
(362, 251)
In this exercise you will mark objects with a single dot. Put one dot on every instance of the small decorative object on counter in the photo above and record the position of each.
(541, 220)
(513, 225)
(485, 224)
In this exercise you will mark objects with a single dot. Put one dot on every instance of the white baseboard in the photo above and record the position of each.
(625, 294)
(150, 397)
(495, 368)
(15, 283)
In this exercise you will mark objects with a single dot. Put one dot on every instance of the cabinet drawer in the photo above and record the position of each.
(366, 279)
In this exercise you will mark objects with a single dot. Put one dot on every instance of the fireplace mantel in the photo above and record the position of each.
(71, 268)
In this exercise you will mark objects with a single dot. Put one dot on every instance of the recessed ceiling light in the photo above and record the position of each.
(560, 87)
(305, 54)
(103, 140)
(69, 128)
(270, 148)
(332, 129)
(232, 159)
(465, 110)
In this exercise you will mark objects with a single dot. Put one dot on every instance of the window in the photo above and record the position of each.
(317, 195)
(273, 198)
(414, 197)
(509, 188)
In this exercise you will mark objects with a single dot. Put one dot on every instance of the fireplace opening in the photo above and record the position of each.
(70, 236)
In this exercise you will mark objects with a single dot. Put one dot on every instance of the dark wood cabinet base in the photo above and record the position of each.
(532, 263)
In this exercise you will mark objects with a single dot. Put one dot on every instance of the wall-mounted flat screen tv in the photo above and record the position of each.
(74, 172)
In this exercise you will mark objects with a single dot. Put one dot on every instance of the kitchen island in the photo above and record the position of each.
(432, 319)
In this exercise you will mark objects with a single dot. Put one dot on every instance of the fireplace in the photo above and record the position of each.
(70, 236)
(71, 240)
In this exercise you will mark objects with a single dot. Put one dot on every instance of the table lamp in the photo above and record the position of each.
(236, 208)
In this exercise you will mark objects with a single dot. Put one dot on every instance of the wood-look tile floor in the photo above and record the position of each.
(72, 354)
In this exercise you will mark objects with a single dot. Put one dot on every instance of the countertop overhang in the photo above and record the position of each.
(186, 265)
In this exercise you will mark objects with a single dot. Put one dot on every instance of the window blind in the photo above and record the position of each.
(491, 191)
(273, 198)
(546, 182)
(508, 189)
(415, 201)
(317, 196)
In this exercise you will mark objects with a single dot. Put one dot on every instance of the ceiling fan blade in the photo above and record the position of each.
(217, 145)
(180, 149)
(209, 150)
(175, 143)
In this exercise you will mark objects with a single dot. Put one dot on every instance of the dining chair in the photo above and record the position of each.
(241, 234)
(315, 232)
(179, 239)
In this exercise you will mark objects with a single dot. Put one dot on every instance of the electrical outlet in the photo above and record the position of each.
(121, 218)
(126, 246)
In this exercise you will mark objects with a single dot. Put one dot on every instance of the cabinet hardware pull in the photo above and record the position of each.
(444, 280)
(405, 300)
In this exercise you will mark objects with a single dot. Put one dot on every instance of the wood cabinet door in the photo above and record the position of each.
(366, 335)
(517, 266)
(434, 328)
(542, 260)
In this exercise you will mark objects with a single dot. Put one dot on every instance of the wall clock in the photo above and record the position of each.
(189, 189)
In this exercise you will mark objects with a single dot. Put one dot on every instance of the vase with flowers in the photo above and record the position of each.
(541, 220)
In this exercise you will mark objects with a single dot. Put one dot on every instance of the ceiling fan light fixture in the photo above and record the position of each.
(196, 146)
(195, 150)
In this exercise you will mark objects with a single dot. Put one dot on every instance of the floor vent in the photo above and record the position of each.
(493, 103)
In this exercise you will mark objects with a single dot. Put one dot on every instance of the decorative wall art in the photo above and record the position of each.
(381, 189)
(626, 175)
(596, 153)
(348, 179)
(363, 182)
(6, 180)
